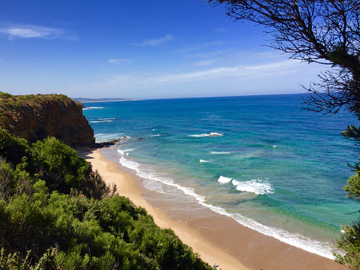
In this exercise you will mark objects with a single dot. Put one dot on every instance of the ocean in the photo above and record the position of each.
(262, 160)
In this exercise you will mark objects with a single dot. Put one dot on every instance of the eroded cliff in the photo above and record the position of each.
(35, 117)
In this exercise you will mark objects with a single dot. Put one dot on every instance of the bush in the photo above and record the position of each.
(90, 234)
(350, 242)
(51, 160)
(59, 164)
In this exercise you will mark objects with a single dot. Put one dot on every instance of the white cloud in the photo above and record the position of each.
(200, 75)
(32, 31)
(247, 72)
(205, 63)
(154, 42)
(117, 61)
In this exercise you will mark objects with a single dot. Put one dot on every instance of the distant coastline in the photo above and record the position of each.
(88, 100)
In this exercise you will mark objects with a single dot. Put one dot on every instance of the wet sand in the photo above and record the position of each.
(216, 238)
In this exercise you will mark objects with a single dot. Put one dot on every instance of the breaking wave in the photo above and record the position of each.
(223, 179)
(212, 134)
(105, 120)
(221, 153)
(92, 108)
(256, 186)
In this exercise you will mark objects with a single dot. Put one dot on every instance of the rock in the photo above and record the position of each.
(36, 117)
(107, 144)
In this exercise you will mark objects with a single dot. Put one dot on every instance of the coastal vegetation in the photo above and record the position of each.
(14, 103)
(57, 213)
(324, 32)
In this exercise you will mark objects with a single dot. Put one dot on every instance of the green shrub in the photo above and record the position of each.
(12, 261)
(350, 243)
(51, 160)
(60, 164)
(90, 234)
(12, 148)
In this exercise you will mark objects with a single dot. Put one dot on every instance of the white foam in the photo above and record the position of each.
(256, 186)
(223, 179)
(92, 108)
(203, 161)
(133, 165)
(220, 153)
(168, 181)
(153, 186)
(212, 134)
(147, 173)
(274, 146)
(101, 137)
(106, 120)
(157, 135)
(125, 151)
(323, 249)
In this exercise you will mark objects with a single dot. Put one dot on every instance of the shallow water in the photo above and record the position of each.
(261, 159)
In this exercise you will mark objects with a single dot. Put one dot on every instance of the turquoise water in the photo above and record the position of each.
(261, 159)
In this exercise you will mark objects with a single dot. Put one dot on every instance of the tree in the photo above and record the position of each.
(315, 31)
(328, 33)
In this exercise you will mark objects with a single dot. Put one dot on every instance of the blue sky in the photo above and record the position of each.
(139, 49)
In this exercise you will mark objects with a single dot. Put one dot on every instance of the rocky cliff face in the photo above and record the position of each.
(36, 117)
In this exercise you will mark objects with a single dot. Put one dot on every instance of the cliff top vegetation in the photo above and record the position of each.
(7, 99)
(12, 103)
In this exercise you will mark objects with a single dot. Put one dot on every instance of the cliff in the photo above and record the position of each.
(35, 117)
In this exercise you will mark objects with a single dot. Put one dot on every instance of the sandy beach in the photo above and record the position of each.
(217, 239)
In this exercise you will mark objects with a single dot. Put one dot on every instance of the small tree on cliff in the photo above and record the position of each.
(328, 33)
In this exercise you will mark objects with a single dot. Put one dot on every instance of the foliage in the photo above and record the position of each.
(89, 234)
(12, 147)
(16, 101)
(59, 163)
(350, 243)
(50, 160)
(12, 261)
(56, 213)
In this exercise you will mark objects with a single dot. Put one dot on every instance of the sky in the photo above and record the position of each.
(139, 50)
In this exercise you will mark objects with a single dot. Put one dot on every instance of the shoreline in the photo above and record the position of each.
(216, 238)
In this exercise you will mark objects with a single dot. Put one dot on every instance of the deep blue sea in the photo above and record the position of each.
(262, 160)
